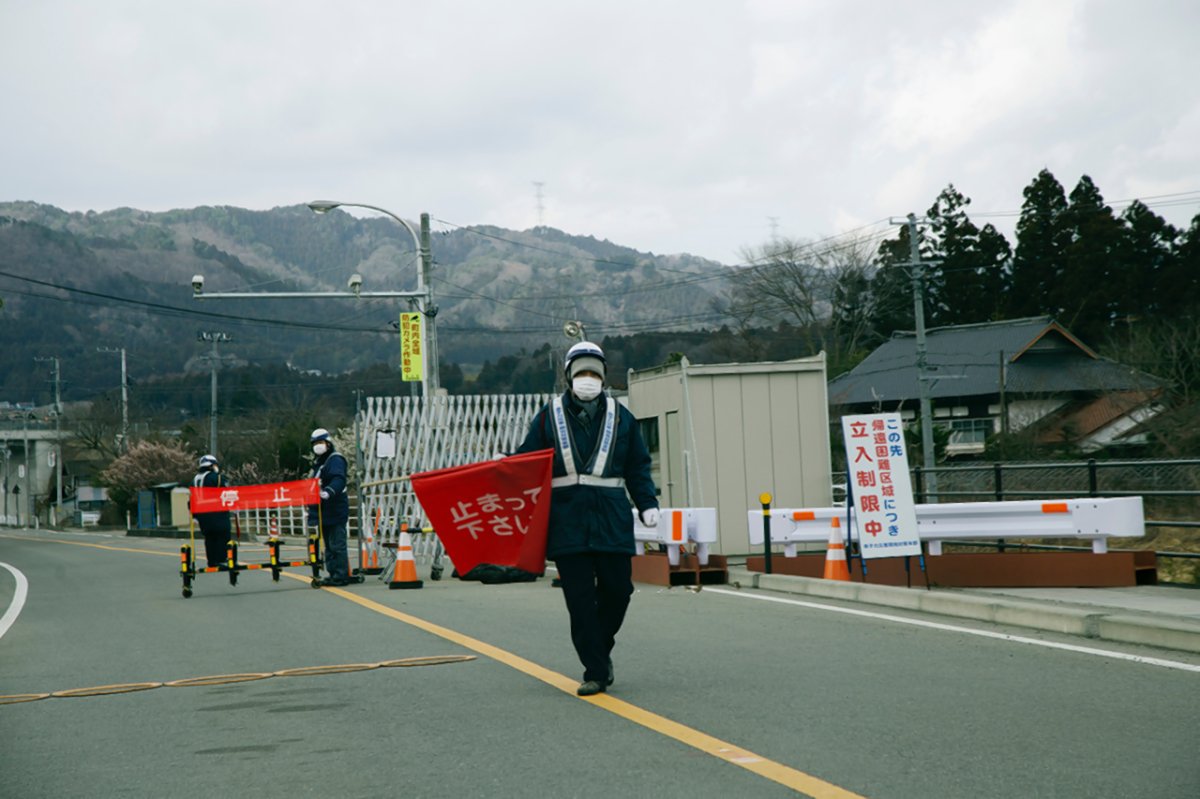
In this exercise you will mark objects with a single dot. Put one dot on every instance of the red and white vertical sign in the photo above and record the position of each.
(883, 500)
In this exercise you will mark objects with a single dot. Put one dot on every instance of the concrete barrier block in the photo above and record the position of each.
(891, 596)
(957, 605)
(1166, 633)
(1071, 621)
(834, 589)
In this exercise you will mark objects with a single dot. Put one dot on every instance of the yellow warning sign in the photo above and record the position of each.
(410, 347)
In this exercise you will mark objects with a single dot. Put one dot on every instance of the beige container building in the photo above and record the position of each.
(722, 434)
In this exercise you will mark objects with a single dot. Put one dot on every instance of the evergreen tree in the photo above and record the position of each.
(1037, 267)
(1185, 264)
(891, 286)
(1093, 288)
(1152, 281)
(970, 275)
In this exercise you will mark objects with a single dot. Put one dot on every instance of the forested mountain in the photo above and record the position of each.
(73, 282)
(1127, 284)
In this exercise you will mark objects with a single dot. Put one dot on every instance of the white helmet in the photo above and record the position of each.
(585, 356)
(320, 434)
(208, 460)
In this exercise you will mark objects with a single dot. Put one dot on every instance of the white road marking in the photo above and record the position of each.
(18, 600)
(933, 625)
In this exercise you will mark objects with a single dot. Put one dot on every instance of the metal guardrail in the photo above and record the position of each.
(1167, 486)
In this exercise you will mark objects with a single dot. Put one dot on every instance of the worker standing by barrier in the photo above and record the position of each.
(598, 454)
(331, 516)
(214, 526)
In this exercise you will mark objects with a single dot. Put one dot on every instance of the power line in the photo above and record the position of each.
(171, 310)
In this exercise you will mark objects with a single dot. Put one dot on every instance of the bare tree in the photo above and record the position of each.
(821, 289)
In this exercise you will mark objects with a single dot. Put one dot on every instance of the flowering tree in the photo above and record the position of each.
(147, 463)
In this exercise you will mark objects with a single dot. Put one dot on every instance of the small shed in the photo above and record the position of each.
(164, 505)
(722, 434)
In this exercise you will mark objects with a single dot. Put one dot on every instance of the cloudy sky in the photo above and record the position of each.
(705, 126)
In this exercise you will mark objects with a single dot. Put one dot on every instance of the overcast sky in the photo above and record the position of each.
(704, 126)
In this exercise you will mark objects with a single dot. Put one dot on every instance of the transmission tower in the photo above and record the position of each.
(541, 206)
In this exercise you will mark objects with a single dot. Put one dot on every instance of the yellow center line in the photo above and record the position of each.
(723, 750)
(776, 772)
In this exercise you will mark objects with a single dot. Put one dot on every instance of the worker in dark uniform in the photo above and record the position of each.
(215, 526)
(330, 469)
(598, 456)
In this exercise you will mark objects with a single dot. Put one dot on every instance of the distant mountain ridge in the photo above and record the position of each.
(129, 274)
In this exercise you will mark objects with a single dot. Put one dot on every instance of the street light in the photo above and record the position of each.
(429, 358)
(423, 296)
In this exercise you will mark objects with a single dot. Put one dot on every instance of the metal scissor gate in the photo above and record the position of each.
(400, 436)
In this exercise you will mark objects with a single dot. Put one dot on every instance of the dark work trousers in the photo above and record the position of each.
(597, 587)
(337, 562)
(215, 544)
(216, 539)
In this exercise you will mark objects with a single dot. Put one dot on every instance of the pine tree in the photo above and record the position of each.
(1037, 267)
(1152, 281)
(1093, 286)
(969, 279)
(891, 286)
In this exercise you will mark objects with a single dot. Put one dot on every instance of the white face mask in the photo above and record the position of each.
(586, 388)
(320, 448)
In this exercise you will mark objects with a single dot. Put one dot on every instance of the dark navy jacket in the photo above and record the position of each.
(330, 469)
(587, 518)
(217, 521)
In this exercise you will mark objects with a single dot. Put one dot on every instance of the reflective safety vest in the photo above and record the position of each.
(589, 475)
(318, 472)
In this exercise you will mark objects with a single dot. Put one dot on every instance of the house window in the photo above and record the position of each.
(970, 431)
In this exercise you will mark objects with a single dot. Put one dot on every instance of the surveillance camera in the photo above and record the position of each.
(355, 282)
(197, 283)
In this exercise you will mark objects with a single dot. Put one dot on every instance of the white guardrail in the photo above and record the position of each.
(1090, 519)
(678, 526)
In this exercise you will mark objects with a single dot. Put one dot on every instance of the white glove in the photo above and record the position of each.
(325, 493)
(649, 517)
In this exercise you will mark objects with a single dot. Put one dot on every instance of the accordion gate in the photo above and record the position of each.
(401, 436)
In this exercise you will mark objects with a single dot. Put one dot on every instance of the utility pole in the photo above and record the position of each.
(433, 380)
(29, 504)
(917, 267)
(57, 436)
(123, 445)
(7, 480)
(214, 363)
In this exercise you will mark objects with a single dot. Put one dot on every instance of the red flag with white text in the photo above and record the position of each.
(491, 512)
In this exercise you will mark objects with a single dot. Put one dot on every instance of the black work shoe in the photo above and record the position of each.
(589, 687)
(611, 676)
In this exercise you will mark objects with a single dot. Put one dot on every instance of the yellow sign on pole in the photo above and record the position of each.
(410, 347)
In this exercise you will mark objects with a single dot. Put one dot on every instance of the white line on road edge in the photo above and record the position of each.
(18, 601)
(933, 625)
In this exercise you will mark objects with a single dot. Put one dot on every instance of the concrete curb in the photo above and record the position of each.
(1102, 623)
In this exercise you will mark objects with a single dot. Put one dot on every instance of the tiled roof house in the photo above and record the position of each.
(988, 377)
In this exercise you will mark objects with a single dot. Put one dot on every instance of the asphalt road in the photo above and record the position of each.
(721, 692)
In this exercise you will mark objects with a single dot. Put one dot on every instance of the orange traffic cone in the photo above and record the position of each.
(404, 575)
(835, 556)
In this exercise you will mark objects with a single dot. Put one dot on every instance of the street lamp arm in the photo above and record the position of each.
(324, 206)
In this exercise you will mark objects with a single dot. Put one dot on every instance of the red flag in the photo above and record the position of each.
(267, 495)
(492, 512)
